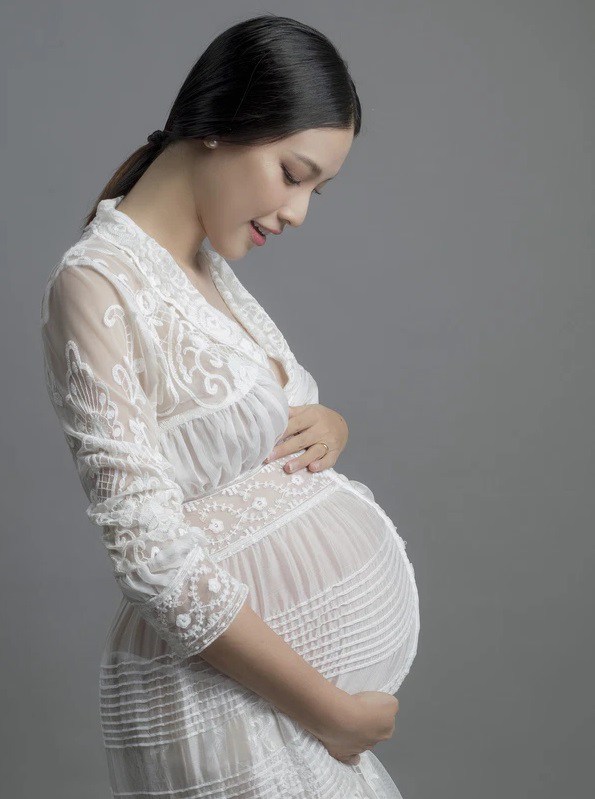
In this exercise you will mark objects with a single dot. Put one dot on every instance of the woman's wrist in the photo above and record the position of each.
(338, 712)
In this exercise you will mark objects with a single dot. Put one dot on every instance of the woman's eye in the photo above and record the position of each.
(290, 177)
(293, 181)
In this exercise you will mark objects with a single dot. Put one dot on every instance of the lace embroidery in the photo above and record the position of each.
(172, 284)
(239, 514)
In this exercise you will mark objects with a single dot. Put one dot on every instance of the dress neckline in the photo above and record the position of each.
(266, 340)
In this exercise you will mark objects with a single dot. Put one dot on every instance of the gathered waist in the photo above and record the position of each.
(223, 486)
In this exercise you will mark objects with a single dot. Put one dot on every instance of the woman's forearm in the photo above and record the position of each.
(254, 655)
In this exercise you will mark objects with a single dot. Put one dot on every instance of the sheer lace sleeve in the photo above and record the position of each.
(95, 357)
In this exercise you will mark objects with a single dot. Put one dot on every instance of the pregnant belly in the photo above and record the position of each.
(333, 579)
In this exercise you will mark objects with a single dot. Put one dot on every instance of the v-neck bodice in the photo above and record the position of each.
(251, 329)
(274, 363)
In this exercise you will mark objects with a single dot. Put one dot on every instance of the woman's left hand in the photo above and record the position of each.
(308, 426)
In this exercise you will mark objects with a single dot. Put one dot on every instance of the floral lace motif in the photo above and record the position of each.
(237, 515)
(173, 286)
(195, 609)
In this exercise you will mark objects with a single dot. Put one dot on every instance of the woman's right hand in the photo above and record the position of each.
(369, 718)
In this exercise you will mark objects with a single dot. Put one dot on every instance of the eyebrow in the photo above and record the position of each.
(314, 168)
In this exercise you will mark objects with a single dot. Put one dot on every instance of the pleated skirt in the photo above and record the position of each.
(336, 583)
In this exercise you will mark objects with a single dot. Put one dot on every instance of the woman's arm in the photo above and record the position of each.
(251, 652)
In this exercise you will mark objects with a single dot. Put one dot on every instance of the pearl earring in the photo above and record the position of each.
(212, 143)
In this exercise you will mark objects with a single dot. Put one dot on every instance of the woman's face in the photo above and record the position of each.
(235, 184)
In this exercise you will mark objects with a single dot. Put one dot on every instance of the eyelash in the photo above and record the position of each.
(295, 182)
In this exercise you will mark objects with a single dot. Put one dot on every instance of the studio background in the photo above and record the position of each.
(441, 293)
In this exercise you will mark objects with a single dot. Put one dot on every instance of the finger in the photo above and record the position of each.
(283, 448)
(295, 464)
(324, 461)
(303, 460)
(319, 464)
(290, 445)
(307, 458)
(296, 423)
(313, 464)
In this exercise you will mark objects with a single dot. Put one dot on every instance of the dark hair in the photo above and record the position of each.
(260, 80)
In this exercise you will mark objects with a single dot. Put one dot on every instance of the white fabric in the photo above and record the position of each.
(169, 408)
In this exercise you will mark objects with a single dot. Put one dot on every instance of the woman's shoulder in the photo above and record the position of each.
(100, 261)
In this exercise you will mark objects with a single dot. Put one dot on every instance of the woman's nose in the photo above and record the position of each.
(295, 213)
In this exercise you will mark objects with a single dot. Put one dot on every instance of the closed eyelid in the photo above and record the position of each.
(314, 168)
(293, 180)
(318, 185)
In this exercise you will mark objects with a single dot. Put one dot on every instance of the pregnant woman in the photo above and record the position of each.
(269, 612)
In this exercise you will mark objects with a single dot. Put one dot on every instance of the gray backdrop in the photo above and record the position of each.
(441, 293)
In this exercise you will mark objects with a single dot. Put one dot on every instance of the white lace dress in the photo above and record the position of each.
(169, 408)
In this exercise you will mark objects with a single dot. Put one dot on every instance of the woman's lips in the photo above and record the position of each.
(257, 237)
(267, 229)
